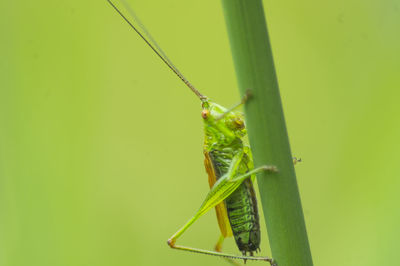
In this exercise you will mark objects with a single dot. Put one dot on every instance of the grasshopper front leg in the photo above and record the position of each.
(245, 98)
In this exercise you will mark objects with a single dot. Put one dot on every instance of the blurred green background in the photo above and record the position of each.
(101, 145)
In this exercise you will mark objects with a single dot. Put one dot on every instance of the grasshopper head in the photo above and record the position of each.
(220, 124)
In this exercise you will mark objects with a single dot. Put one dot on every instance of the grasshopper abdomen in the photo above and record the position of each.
(241, 205)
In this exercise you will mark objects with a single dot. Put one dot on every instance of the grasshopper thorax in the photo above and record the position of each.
(220, 125)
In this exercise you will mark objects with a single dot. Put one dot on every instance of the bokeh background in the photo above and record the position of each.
(101, 145)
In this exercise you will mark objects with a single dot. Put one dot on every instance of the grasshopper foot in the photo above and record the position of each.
(273, 262)
(296, 160)
(270, 168)
(247, 96)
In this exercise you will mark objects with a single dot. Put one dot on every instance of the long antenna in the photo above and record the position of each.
(154, 46)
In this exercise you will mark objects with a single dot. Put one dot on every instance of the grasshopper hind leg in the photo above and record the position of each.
(220, 190)
(218, 248)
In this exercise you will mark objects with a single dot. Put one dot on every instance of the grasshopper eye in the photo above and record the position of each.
(239, 124)
(205, 114)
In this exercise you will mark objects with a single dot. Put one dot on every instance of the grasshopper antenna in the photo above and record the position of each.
(154, 46)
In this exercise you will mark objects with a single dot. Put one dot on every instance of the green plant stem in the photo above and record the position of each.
(268, 137)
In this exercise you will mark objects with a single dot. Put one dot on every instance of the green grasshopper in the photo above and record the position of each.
(229, 164)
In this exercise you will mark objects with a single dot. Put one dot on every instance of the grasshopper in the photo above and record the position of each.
(229, 165)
